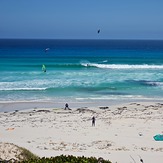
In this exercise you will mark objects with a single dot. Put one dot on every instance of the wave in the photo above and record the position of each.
(66, 65)
(122, 66)
(145, 83)
(152, 83)
(86, 64)
(105, 61)
(22, 89)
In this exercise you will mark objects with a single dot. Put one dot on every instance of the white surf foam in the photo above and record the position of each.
(123, 66)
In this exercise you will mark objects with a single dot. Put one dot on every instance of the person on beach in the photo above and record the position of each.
(66, 106)
(93, 121)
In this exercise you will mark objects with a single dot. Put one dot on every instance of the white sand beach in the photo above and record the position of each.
(123, 133)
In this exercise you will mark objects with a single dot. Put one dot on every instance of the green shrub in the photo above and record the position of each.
(26, 154)
(66, 159)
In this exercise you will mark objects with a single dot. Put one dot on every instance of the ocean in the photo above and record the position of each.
(81, 70)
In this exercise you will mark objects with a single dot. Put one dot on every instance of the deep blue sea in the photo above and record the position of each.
(80, 69)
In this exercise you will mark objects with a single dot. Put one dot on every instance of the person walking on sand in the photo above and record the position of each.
(93, 121)
(66, 106)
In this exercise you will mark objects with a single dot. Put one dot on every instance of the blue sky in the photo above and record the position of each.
(80, 19)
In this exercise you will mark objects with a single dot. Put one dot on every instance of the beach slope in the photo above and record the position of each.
(122, 133)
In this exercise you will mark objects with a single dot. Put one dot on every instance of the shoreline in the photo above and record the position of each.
(8, 106)
(123, 132)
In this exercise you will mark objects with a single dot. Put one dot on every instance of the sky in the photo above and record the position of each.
(80, 19)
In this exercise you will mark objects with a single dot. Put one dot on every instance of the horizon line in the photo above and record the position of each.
(111, 39)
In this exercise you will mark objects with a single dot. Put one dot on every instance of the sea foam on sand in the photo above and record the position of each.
(122, 133)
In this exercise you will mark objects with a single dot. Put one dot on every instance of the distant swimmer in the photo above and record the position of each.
(98, 31)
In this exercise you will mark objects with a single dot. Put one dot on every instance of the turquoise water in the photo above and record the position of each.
(80, 69)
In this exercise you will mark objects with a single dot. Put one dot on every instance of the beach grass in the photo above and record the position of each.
(10, 152)
(26, 154)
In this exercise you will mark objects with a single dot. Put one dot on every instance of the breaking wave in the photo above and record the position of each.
(122, 66)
